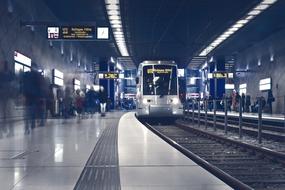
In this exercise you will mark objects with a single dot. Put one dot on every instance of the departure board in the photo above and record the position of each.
(71, 33)
(221, 75)
(109, 75)
(77, 32)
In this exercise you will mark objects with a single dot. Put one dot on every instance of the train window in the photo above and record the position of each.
(159, 80)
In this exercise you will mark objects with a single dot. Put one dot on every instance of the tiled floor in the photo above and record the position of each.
(51, 157)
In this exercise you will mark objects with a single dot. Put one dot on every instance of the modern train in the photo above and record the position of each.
(157, 90)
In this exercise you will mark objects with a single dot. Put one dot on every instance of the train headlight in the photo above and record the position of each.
(144, 101)
(175, 101)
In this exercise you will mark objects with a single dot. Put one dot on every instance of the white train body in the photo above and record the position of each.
(158, 90)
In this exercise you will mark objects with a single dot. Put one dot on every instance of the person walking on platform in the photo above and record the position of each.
(7, 94)
(79, 103)
(90, 100)
(103, 101)
(32, 91)
(247, 103)
(243, 102)
(67, 101)
(270, 99)
(234, 101)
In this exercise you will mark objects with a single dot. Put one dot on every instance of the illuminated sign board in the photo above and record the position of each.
(22, 59)
(57, 73)
(78, 32)
(265, 84)
(109, 75)
(159, 71)
(222, 75)
(242, 88)
(229, 86)
(57, 77)
(71, 32)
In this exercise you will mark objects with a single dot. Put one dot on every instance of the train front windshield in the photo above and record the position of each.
(159, 80)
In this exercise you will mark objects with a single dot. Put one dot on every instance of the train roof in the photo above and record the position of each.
(157, 62)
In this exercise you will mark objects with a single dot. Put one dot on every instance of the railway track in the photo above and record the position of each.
(242, 166)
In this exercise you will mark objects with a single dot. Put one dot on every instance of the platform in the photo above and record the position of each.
(148, 162)
(114, 152)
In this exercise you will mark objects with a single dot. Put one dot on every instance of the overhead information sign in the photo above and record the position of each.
(221, 75)
(77, 33)
(109, 75)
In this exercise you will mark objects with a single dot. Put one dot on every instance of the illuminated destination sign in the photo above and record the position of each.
(71, 32)
(221, 75)
(109, 75)
(159, 71)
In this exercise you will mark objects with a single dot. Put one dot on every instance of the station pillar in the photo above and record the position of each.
(108, 84)
(217, 86)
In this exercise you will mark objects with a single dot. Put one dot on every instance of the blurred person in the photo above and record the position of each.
(247, 103)
(67, 103)
(32, 91)
(238, 99)
(270, 99)
(243, 102)
(43, 96)
(103, 101)
(234, 100)
(79, 103)
(7, 94)
(90, 101)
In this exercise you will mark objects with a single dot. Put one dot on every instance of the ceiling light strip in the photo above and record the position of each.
(262, 6)
(114, 16)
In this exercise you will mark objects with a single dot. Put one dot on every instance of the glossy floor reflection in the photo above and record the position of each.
(51, 157)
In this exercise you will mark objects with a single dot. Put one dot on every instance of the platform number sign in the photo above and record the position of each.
(53, 32)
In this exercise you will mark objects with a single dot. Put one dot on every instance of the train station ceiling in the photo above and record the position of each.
(172, 29)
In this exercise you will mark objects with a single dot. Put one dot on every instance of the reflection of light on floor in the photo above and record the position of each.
(97, 132)
(58, 153)
(76, 147)
(16, 175)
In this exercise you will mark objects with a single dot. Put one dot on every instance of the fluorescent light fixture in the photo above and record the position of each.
(254, 12)
(243, 21)
(113, 11)
(268, 1)
(112, 7)
(261, 7)
(239, 24)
